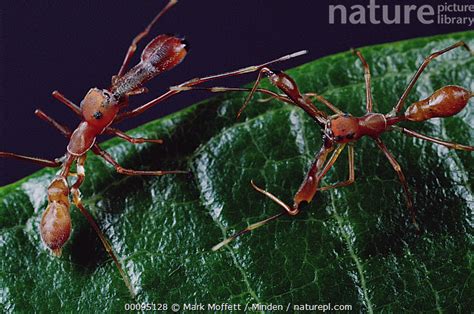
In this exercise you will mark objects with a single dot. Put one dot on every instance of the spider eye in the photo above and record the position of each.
(97, 115)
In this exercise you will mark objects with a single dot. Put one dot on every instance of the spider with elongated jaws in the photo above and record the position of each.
(98, 111)
(341, 129)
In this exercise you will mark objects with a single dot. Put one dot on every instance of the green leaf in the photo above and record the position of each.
(352, 245)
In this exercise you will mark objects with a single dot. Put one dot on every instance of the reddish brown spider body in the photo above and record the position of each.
(99, 108)
(445, 102)
(346, 128)
(342, 129)
(56, 221)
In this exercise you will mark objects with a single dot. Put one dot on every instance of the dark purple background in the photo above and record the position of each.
(75, 45)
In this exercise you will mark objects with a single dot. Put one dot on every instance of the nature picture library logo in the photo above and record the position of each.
(371, 12)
